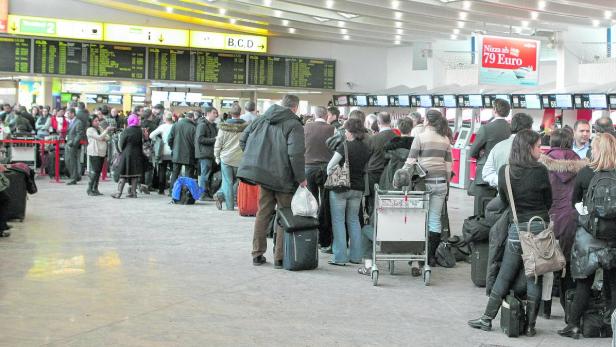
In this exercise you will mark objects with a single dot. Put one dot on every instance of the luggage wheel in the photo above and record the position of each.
(375, 277)
(391, 267)
(426, 277)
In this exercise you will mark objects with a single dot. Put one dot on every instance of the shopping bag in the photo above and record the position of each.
(304, 203)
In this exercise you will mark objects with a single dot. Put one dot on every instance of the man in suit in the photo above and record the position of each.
(488, 136)
(76, 132)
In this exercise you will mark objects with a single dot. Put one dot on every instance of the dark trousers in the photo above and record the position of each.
(4, 203)
(72, 162)
(96, 166)
(162, 175)
(189, 171)
(315, 177)
(583, 294)
(373, 178)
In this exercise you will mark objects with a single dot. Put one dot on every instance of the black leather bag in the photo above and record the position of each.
(513, 317)
(292, 223)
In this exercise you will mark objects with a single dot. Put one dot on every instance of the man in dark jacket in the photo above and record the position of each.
(378, 161)
(205, 138)
(273, 158)
(488, 136)
(182, 143)
(76, 132)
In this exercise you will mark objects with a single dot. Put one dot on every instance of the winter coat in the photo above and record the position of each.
(182, 142)
(227, 147)
(397, 158)
(131, 146)
(274, 149)
(97, 142)
(588, 254)
(563, 166)
(497, 215)
(205, 138)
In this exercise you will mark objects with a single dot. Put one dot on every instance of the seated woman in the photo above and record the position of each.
(603, 158)
(532, 195)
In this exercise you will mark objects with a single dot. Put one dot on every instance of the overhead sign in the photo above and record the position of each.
(146, 35)
(229, 42)
(4, 15)
(51, 27)
(509, 61)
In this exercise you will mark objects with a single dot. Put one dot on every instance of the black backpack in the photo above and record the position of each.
(600, 201)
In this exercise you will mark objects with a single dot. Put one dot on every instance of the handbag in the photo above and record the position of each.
(541, 253)
(341, 177)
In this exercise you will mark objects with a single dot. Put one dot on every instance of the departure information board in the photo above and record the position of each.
(195, 65)
(88, 59)
(15, 54)
(279, 71)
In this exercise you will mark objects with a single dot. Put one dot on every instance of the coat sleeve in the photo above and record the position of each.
(414, 152)
(218, 145)
(479, 144)
(203, 135)
(245, 135)
(171, 137)
(295, 149)
(489, 173)
(122, 142)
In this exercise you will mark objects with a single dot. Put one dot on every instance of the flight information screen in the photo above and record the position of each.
(88, 59)
(169, 64)
(280, 71)
(15, 54)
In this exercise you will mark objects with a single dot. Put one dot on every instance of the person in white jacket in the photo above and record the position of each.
(162, 153)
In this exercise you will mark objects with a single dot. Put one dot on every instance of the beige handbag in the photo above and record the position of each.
(540, 252)
(341, 177)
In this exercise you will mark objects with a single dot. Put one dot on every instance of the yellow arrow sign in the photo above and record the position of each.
(231, 42)
(146, 35)
(52, 27)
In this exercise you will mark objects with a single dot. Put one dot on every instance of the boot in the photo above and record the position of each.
(570, 330)
(132, 192)
(546, 309)
(95, 187)
(433, 241)
(532, 308)
(485, 322)
(121, 184)
(90, 190)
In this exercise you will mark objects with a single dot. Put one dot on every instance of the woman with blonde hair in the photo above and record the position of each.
(603, 162)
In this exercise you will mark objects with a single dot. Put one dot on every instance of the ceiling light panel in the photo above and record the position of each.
(348, 15)
(329, 3)
(321, 19)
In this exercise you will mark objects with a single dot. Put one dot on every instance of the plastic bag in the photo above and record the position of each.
(304, 203)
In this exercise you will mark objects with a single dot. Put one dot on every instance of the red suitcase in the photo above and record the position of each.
(247, 199)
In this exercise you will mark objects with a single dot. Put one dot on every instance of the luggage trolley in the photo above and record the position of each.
(24, 152)
(400, 229)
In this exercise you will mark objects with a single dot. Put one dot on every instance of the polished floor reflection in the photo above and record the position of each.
(87, 271)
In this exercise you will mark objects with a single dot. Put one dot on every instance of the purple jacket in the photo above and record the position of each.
(563, 165)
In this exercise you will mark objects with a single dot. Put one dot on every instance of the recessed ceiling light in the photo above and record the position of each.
(285, 22)
(291, 30)
(397, 42)
(466, 5)
(232, 20)
(453, 37)
(395, 4)
(169, 9)
(534, 15)
(341, 23)
(541, 5)
(343, 31)
(398, 15)
(278, 13)
(400, 31)
(524, 23)
(461, 24)
(463, 15)
(398, 24)
(348, 15)
(456, 31)
(267, 2)
(329, 3)
(346, 37)
(321, 19)
(397, 37)
(607, 14)
(595, 22)
(222, 11)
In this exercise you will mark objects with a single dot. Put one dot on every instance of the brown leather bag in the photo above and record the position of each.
(540, 252)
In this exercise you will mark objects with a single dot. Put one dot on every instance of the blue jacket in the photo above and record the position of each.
(192, 186)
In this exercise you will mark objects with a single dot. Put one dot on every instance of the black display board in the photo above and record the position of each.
(169, 64)
(279, 71)
(88, 59)
(15, 54)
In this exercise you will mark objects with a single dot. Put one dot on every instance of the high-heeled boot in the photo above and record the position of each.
(121, 184)
(132, 192)
(95, 188)
(485, 322)
(532, 308)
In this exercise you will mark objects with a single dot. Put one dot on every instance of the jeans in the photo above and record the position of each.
(512, 265)
(206, 171)
(229, 184)
(438, 194)
(345, 207)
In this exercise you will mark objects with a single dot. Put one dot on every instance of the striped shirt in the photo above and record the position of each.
(433, 152)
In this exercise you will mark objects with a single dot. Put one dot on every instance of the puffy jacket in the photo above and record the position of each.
(588, 254)
(205, 138)
(182, 142)
(227, 147)
(274, 149)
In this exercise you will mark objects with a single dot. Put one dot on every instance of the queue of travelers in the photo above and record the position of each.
(526, 185)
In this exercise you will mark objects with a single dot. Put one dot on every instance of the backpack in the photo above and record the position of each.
(600, 201)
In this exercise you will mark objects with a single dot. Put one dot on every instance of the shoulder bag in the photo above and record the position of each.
(540, 252)
(341, 177)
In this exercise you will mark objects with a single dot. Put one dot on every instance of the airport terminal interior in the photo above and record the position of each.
(307, 173)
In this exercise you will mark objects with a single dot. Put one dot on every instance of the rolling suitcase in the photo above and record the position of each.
(479, 263)
(247, 199)
(17, 192)
(513, 317)
(301, 241)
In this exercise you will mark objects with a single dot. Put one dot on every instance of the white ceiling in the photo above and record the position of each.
(385, 22)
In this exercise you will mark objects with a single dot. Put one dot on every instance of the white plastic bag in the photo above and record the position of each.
(304, 203)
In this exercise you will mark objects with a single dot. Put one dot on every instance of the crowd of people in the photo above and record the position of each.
(280, 151)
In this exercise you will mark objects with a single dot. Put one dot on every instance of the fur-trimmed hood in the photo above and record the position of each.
(234, 127)
(564, 164)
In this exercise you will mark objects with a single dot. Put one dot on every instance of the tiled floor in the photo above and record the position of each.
(84, 271)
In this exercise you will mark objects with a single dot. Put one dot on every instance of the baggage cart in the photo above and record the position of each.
(24, 152)
(400, 230)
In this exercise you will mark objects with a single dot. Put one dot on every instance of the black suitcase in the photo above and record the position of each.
(479, 263)
(301, 241)
(513, 317)
(17, 192)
